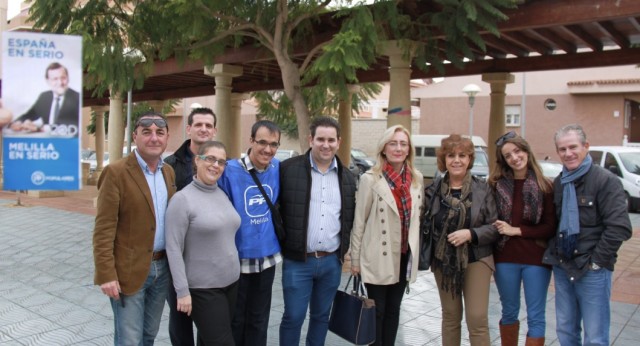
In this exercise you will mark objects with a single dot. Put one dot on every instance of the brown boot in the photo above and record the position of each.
(534, 341)
(509, 334)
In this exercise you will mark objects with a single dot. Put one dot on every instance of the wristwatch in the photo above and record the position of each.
(594, 266)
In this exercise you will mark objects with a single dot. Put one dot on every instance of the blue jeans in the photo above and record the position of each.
(137, 322)
(535, 279)
(310, 284)
(586, 301)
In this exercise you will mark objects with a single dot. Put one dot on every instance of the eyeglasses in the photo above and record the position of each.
(146, 122)
(401, 145)
(500, 141)
(264, 144)
(210, 159)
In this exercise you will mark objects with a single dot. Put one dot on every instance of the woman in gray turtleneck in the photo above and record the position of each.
(201, 225)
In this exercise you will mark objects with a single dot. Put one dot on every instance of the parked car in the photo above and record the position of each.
(283, 154)
(85, 153)
(362, 160)
(625, 163)
(550, 169)
(426, 162)
(93, 162)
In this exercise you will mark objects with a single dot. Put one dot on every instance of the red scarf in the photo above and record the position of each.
(399, 183)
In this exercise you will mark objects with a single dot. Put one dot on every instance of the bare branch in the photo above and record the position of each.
(293, 24)
(263, 40)
(310, 56)
(222, 35)
(222, 16)
(281, 19)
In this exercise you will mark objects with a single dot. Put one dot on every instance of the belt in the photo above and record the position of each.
(318, 254)
(158, 255)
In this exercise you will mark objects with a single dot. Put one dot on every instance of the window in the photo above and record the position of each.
(512, 115)
(596, 156)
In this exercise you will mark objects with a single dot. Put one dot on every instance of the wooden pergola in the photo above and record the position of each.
(539, 35)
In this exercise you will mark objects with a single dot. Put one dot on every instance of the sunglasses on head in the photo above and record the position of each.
(500, 141)
(146, 122)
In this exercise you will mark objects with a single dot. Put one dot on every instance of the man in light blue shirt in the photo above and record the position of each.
(317, 202)
(128, 239)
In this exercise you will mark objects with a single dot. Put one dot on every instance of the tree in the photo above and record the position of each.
(203, 29)
(137, 110)
(275, 106)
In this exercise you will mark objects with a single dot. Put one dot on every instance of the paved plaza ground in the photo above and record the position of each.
(47, 296)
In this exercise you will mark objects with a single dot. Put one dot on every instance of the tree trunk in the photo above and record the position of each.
(293, 90)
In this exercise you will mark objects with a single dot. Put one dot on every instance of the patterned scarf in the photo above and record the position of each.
(531, 197)
(452, 261)
(569, 226)
(400, 184)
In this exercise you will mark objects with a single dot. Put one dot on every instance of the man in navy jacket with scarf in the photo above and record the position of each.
(592, 209)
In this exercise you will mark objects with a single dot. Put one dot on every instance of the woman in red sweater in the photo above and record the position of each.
(526, 220)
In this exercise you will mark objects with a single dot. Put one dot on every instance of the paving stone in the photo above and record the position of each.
(47, 296)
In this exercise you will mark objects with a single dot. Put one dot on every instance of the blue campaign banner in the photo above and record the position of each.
(42, 95)
(41, 163)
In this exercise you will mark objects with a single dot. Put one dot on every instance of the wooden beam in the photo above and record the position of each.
(545, 13)
(527, 64)
(616, 36)
(504, 46)
(554, 38)
(585, 37)
(529, 43)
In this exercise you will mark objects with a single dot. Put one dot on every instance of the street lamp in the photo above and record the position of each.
(471, 90)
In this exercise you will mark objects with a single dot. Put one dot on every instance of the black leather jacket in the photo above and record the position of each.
(182, 165)
(295, 190)
(604, 223)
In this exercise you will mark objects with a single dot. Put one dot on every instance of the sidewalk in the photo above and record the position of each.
(47, 296)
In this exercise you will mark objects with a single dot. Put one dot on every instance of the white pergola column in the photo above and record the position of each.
(224, 74)
(234, 143)
(498, 82)
(99, 144)
(116, 127)
(400, 54)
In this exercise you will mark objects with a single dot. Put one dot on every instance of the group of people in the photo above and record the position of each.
(199, 230)
(520, 227)
(206, 232)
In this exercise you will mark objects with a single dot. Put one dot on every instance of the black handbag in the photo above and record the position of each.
(276, 218)
(353, 315)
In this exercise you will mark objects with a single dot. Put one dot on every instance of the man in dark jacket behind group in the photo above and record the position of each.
(201, 127)
(592, 209)
(317, 202)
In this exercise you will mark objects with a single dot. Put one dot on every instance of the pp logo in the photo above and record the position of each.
(37, 178)
(254, 203)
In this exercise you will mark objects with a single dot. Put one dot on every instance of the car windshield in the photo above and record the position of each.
(93, 157)
(631, 162)
(481, 159)
(551, 169)
(358, 154)
(282, 155)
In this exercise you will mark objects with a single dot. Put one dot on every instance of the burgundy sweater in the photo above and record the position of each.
(524, 249)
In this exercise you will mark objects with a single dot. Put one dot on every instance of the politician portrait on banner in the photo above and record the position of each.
(41, 88)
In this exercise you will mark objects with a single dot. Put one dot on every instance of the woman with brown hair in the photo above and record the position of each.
(527, 219)
(459, 217)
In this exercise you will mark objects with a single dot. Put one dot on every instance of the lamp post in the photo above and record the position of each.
(471, 90)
